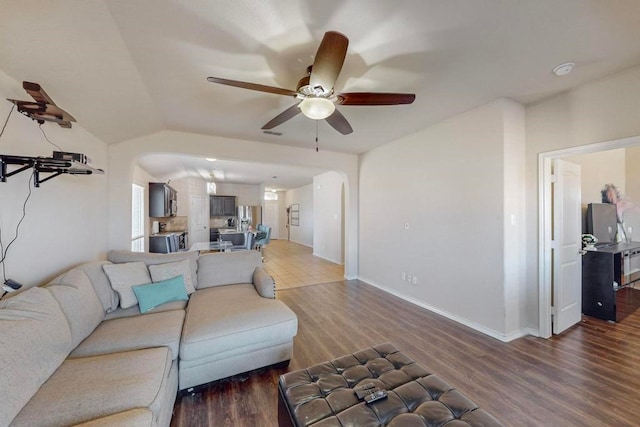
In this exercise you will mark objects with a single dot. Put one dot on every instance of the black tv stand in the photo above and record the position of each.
(609, 281)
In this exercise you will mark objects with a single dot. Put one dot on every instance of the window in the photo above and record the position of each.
(137, 218)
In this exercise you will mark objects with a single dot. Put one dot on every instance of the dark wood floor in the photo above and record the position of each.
(588, 376)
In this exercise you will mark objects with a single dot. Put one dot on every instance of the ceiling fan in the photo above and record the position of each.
(315, 91)
(43, 109)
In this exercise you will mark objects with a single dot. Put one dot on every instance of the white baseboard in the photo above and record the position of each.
(328, 259)
(300, 243)
(473, 325)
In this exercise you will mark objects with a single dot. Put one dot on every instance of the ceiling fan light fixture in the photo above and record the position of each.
(317, 108)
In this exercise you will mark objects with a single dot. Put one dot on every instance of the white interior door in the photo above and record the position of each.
(567, 244)
(198, 220)
(272, 219)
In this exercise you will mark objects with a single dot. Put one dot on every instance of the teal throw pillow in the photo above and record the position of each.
(152, 295)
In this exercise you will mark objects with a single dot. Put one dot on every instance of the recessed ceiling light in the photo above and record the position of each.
(211, 160)
(563, 69)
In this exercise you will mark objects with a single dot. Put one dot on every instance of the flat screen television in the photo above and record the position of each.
(602, 221)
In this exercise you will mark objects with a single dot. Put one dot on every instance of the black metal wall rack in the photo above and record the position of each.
(49, 165)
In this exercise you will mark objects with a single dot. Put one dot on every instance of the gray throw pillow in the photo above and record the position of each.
(169, 270)
(123, 277)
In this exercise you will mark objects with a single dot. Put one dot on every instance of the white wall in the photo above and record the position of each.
(282, 215)
(66, 218)
(632, 169)
(631, 217)
(605, 110)
(246, 194)
(327, 216)
(122, 157)
(302, 233)
(447, 183)
(598, 169)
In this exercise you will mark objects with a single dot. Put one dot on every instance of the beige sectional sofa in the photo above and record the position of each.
(70, 354)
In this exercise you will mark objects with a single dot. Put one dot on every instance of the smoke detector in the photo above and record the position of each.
(563, 69)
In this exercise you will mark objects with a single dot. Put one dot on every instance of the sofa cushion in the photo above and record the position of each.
(123, 277)
(34, 340)
(108, 297)
(169, 270)
(153, 259)
(79, 303)
(156, 294)
(227, 268)
(133, 418)
(134, 333)
(88, 388)
(135, 310)
(225, 318)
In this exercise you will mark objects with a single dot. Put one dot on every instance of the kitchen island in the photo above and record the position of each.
(237, 237)
(230, 238)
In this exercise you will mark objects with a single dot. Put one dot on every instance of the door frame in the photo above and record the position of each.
(191, 227)
(545, 220)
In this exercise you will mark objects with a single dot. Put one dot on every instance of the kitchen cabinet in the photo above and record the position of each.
(163, 200)
(222, 206)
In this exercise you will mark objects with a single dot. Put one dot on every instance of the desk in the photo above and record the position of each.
(220, 246)
(609, 277)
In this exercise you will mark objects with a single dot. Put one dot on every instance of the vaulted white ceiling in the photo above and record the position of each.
(130, 68)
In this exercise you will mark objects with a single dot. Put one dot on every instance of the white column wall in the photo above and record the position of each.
(327, 216)
(514, 220)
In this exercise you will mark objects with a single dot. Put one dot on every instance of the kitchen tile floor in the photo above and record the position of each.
(293, 265)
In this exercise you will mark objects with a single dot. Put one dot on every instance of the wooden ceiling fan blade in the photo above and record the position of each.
(287, 114)
(252, 86)
(329, 60)
(339, 123)
(375, 98)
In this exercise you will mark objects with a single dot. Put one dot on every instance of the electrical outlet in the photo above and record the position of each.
(414, 280)
(406, 225)
(409, 278)
(404, 276)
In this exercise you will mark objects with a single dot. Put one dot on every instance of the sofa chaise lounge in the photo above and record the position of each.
(79, 351)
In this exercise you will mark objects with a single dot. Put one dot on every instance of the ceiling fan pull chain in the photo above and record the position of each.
(317, 135)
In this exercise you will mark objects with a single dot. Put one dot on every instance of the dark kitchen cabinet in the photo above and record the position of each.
(222, 205)
(163, 200)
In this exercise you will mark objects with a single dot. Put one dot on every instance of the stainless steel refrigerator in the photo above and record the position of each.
(249, 216)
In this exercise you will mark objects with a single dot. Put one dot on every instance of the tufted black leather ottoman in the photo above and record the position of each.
(323, 395)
